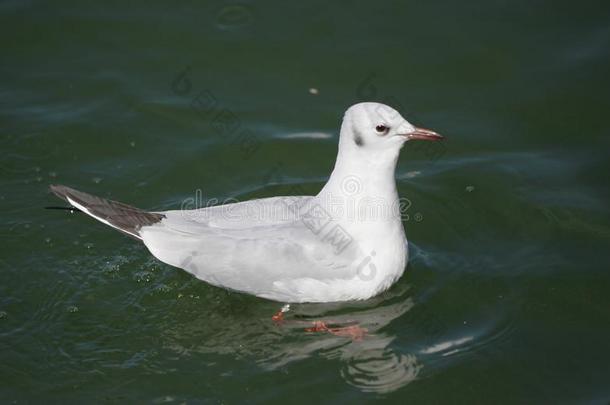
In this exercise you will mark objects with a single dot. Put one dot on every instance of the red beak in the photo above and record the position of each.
(424, 134)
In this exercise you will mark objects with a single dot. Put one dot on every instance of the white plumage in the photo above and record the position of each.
(346, 243)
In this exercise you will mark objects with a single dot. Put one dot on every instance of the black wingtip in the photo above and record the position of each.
(125, 218)
(61, 192)
(71, 209)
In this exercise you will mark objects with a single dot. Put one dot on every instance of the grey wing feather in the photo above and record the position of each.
(122, 217)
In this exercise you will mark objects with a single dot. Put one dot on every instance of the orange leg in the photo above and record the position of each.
(355, 332)
(318, 326)
(278, 318)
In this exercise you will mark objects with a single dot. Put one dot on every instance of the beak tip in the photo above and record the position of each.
(425, 134)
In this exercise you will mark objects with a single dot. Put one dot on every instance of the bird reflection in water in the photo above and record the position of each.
(368, 360)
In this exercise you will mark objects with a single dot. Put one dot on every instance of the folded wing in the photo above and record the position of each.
(275, 255)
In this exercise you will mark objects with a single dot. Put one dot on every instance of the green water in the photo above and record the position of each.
(506, 298)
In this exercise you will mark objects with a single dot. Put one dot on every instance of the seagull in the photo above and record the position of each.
(345, 243)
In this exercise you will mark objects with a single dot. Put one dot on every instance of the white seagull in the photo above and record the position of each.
(345, 243)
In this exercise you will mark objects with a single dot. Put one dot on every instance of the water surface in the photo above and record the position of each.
(506, 296)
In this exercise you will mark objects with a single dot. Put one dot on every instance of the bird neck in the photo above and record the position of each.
(362, 180)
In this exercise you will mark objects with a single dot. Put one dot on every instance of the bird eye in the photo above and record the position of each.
(382, 129)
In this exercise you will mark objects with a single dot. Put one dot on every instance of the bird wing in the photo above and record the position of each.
(282, 248)
(122, 217)
(243, 215)
(273, 256)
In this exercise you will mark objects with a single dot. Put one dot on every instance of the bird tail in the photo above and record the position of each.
(122, 217)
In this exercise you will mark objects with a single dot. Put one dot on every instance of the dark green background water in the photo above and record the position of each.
(507, 295)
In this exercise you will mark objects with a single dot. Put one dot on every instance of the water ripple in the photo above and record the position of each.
(381, 370)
